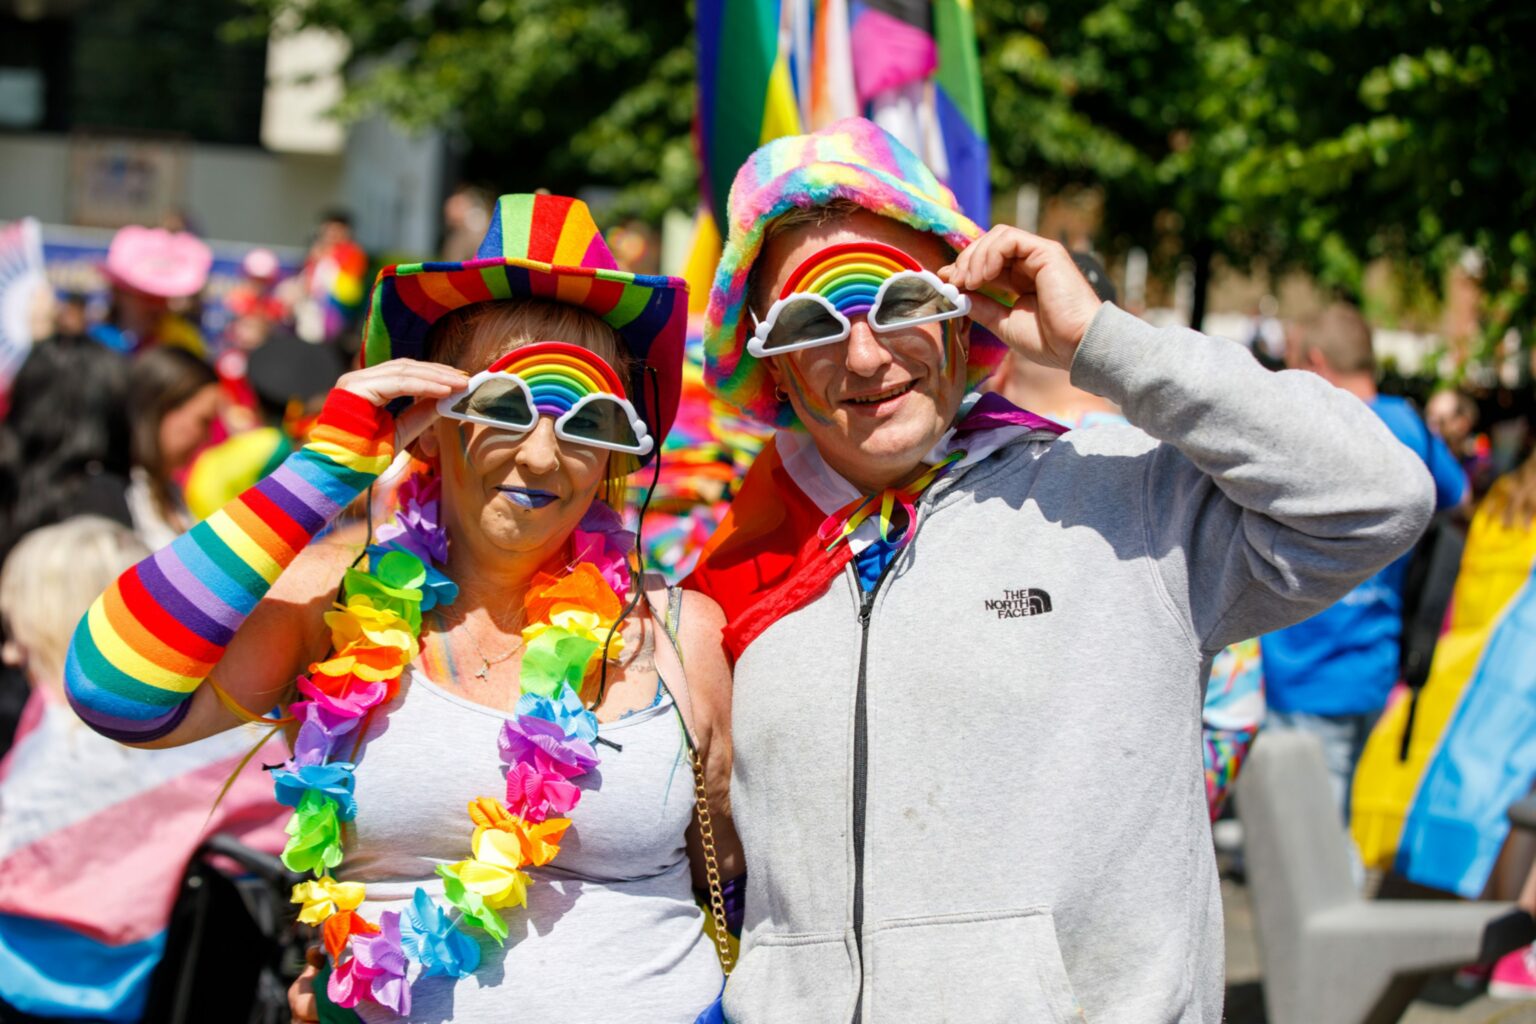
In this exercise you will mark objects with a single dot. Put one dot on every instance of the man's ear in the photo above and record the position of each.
(776, 372)
(1318, 363)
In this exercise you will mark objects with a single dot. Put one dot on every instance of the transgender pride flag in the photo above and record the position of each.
(94, 837)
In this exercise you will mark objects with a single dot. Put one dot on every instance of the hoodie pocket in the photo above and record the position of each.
(792, 979)
(979, 968)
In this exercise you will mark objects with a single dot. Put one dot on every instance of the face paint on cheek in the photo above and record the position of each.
(812, 404)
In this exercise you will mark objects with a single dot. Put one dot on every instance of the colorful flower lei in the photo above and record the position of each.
(548, 743)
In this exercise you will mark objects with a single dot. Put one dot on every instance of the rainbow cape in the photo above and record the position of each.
(1438, 818)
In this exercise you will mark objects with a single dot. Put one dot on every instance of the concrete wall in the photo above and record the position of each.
(392, 184)
(233, 192)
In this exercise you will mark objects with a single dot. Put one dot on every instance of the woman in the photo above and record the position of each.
(482, 649)
(62, 466)
(173, 401)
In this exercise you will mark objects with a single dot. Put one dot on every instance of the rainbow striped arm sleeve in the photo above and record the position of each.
(155, 635)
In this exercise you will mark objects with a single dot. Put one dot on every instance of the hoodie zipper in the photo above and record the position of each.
(861, 757)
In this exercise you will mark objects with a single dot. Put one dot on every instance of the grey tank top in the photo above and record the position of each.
(610, 932)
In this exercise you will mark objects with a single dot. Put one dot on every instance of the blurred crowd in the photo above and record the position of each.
(128, 423)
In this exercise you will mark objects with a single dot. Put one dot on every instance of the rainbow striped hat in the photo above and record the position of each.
(542, 247)
(851, 159)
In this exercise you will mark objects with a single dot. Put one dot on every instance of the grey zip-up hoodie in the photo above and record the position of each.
(976, 794)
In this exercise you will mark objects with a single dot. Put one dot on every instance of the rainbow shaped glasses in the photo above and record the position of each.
(574, 386)
(879, 282)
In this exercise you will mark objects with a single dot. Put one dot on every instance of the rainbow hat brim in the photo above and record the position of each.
(543, 247)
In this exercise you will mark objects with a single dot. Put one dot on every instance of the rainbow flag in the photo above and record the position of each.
(1438, 818)
(779, 67)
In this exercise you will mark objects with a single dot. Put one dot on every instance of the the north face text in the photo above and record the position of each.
(1016, 604)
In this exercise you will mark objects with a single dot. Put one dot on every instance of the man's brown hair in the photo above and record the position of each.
(1343, 337)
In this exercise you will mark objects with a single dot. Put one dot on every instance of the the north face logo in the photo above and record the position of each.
(1016, 604)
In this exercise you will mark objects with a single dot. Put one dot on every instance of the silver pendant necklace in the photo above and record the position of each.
(486, 664)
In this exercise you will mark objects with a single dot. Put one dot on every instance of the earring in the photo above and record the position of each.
(780, 394)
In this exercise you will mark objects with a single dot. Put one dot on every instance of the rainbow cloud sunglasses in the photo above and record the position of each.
(574, 386)
(867, 279)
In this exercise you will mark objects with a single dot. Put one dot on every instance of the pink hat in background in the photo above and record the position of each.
(261, 264)
(171, 265)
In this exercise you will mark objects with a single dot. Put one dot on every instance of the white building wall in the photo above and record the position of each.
(392, 184)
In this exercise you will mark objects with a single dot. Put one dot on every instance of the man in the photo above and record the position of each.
(969, 649)
(1330, 675)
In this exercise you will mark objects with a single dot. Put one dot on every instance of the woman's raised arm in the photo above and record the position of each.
(149, 641)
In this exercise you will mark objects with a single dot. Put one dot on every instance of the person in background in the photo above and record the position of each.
(1452, 414)
(333, 281)
(173, 402)
(61, 465)
(287, 379)
(149, 269)
(53, 466)
(94, 836)
(466, 215)
(1330, 674)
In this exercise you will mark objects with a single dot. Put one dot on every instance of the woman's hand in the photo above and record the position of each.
(406, 378)
(1055, 305)
(301, 994)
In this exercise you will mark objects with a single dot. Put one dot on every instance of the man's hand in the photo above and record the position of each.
(1055, 305)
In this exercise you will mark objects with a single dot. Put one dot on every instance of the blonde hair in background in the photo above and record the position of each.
(1513, 496)
(49, 581)
(473, 337)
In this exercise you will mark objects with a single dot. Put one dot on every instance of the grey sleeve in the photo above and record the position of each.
(1271, 495)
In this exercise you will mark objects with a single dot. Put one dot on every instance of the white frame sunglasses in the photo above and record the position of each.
(763, 328)
(644, 444)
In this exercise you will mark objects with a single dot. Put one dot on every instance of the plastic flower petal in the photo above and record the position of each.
(487, 812)
(325, 897)
(403, 602)
(293, 782)
(373, 643)
(314, 843)
(554, 659)
(349, 983)
(582, 588)
(416, 527)
(543, 744)
(340, 927)
(346, 696)
(321, 728)
(430, 939)
(439, 589)
(382, 960)
(470, 903)
(534, 796)
(582, 623)
(539, 842)
(566, 711)
(602, 540)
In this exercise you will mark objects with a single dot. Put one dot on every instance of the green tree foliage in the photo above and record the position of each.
(1311, 133)
(1319, 133)
(556, 94)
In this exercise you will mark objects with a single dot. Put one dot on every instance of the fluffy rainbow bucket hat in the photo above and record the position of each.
(543, 247)
(852, 159)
